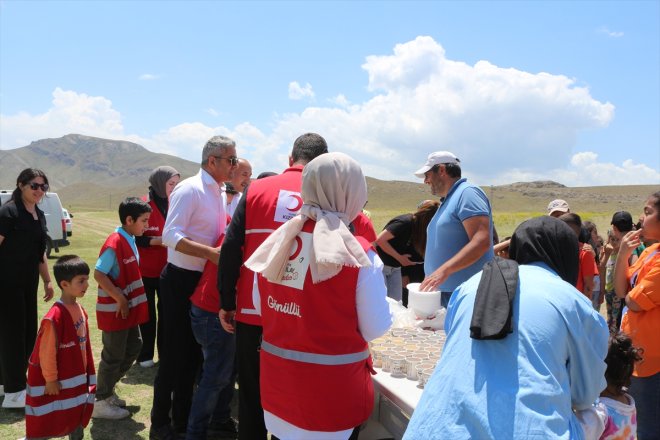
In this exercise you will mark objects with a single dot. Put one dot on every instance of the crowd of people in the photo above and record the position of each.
(280, 282)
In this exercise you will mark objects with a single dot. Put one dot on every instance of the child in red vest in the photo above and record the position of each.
(61, 378)
(121, 306)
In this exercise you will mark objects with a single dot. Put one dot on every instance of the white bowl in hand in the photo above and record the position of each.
(424, 304)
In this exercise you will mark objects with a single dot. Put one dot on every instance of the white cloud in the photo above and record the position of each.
(71, 112)
(212, 112)
(297, 92)
(148, 77)
(609, 33)
(340, 100)
(506, 125)
(584, 169)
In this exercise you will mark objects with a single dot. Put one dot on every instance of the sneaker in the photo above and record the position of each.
(14, 400)
(147, 364)
(225, 429)
(103, 409)
(116, 401)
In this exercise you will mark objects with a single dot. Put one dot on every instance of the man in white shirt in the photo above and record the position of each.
(196, 218)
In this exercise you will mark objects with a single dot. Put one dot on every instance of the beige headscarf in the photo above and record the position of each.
(334, 192)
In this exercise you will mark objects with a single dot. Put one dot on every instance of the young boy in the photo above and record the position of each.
(121, 306)
(61, 378)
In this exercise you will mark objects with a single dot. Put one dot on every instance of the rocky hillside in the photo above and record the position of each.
(76, 159)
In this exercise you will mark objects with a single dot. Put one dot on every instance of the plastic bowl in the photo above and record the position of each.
(424, 304)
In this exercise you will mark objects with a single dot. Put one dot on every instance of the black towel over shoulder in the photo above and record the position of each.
(542, 239)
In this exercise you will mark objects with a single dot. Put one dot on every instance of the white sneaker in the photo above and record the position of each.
(103, 409)
(116, 400)
(14, 400)
(147, 364)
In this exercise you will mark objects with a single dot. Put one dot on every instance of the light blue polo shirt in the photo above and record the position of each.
(446, 234)
(107, 262)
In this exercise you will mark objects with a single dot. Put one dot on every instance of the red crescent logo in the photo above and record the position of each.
(298, 203)
(297, 249)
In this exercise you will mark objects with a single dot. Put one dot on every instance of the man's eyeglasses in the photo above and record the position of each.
(34, 186)
(233, 160)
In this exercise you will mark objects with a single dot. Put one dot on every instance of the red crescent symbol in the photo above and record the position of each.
(297, 250)
(298, 204)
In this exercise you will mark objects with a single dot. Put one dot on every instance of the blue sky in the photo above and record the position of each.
(568, 91)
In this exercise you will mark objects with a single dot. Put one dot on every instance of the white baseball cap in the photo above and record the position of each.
(559, 205)
(437, 158)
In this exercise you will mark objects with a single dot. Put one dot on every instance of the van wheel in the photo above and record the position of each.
(49, 248)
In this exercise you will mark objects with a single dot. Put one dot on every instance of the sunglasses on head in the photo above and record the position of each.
(34, 186)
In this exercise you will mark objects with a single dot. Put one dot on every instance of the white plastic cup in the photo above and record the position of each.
(377, 356)
(398, 366)
(424, 376)
(386, 365)
(411, 366)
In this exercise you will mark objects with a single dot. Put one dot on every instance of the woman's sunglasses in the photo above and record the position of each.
(34, 186)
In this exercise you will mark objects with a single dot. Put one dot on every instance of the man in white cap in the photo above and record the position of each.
(558, 207)
(459, 237)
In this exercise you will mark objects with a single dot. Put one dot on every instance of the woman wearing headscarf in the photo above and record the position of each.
(524, 347)
(153, 256)
(638, 284)
(322, 297)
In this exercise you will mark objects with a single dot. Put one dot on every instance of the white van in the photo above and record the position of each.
(69, 223)
(55, 222)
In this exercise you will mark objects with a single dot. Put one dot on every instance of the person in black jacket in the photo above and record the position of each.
(22, 259)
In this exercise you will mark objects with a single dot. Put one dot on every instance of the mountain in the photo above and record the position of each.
(76, 158)
(95, 173)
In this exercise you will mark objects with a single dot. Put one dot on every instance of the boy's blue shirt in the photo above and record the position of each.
(107, 262)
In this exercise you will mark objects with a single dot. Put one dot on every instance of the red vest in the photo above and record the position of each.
(129, 281)
(206, 295)
(363, 227)
(315, 364)
(59, 415)
(270, 203)
(153, 258)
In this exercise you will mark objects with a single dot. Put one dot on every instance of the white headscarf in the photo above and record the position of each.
(334, 192)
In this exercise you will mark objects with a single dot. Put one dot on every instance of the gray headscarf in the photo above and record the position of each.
(159, 177)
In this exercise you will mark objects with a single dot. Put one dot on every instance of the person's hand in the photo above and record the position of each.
(587, 247)
(227, 320)
(406, 261)
(630, 242)
(433, 281)
(214, 255)
(53, 388)
(49, 292)
(122, 307)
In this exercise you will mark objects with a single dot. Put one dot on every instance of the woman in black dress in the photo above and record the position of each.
(22, 260)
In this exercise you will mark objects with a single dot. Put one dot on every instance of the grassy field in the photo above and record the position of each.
(90, 230)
